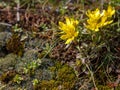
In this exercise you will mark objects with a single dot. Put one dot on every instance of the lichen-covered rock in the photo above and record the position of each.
(7, 62)
(4, 36)
(31, 54)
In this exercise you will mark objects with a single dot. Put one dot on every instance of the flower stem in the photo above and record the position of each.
(92, 77)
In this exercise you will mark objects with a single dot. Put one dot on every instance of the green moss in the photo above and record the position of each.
(118, 87)
(18, 79)
(101, 87)
(7, 76)
(63, 78)
(107, 87)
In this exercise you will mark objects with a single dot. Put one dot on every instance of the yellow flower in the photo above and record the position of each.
(110, 11)
(94, 14)
(94, 19)
(97, 20)
(68, 32)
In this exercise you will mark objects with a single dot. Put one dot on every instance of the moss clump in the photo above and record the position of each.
(63, 78)
(101, 87)
(14, 45)
(7, 76)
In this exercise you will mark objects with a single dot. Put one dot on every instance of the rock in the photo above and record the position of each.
(30, 54)
(4, 36)
(8, 62)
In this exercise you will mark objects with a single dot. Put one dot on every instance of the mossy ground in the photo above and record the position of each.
(33, 57)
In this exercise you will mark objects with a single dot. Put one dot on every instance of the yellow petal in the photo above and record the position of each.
(110, 10)
(61, 25)
(76, 34)
(108, 22)
(76, 22)
(96, 29)
(64, 37)
(68, 22)
(97, 12)
(69, 40)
